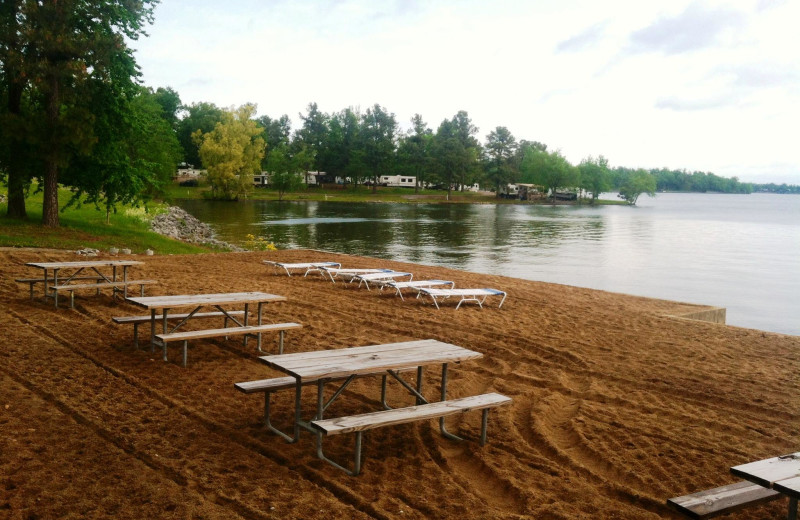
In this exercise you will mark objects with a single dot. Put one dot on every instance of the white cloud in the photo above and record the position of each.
(706, 85)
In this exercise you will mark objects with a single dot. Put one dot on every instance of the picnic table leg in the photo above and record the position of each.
(320, 410)
(152, 330)
(260, 307)
(246, 309)
(164, 326)
(792, 508)
(442, 428)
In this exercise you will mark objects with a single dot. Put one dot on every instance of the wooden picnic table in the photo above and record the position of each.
(780, 473)
(77, 268)
(159, 307)
(323, 366)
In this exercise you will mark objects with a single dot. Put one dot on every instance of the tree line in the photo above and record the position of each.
(73, 113)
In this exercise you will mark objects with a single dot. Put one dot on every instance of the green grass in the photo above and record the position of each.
(86, 227)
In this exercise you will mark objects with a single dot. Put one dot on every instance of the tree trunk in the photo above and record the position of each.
(16, 174)
(50, 207)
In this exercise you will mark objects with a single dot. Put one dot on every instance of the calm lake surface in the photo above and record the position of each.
(741, 252)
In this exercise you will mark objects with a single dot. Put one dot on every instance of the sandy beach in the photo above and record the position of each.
(617, 404)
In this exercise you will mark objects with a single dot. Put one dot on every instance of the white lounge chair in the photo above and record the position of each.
(348, 274)
(377, 278)
(418, 284)
(308, 266)
(467, 295)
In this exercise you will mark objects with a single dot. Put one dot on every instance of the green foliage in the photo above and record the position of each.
(595, 176)
(378, 134)
(202, 117)
(414, 151)
(55, 51)
(548, 169)
(455, 150)
(501, 153)
(135, 153)
(635, 184)
(232, 153)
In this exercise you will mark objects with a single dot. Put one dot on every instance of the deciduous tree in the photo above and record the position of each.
(638, 182)
(232, 153)
(595, 176)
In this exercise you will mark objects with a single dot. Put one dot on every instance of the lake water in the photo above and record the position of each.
(741, 252)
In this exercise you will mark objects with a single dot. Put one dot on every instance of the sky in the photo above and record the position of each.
(701, 85)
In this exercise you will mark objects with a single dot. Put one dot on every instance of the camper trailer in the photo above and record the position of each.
(397, 181)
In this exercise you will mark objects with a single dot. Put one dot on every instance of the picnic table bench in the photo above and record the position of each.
(138, 320)
(253, 331)
(722, 500)
(368, 421)
(118, 287)
(34, 281)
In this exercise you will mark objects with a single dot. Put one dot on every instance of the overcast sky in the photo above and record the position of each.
(703, 85)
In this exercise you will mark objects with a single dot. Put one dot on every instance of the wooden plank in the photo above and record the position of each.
(368, 360)
(199, 300)
(722, 500)
(767, 472)
(86, 263)
(72, 287)
(368, 421)
(229, 331)
(789, 487)
(276, 383)
(145, 319)
(51, 280)
(263, 385)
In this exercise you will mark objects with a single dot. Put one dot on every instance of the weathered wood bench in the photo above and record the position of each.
(251, 330)
(268, 386)
(360, 423)
(722, 500)
(34, 281)
(120, 286)
(138, 320)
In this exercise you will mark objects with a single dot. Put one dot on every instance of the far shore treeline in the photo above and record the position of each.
(74, 113)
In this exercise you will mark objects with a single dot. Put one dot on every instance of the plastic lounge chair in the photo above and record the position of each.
(418, 284)
(377, 278)
(467, 295)
(348, 274)
(308, 266)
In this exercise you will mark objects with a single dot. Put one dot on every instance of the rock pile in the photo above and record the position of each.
(177, 223)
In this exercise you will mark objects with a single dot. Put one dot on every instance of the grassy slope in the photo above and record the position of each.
(86, 227)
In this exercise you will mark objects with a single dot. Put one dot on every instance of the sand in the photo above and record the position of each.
(616, 405)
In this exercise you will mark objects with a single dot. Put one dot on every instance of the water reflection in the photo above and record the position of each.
(739, 252)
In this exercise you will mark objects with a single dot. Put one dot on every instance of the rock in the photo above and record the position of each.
(178, 224)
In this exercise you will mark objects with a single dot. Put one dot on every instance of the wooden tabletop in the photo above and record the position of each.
(372, 359)
(85, 263)
(783, 470)
(195, 300)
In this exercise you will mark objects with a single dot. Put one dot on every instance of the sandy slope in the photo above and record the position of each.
(616, 405)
